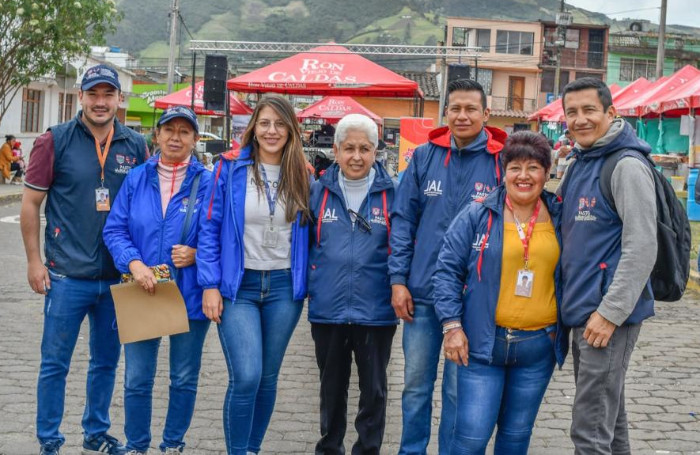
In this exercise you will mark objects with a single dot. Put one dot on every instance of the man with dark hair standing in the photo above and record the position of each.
(80, 165)
(459, 163)
(609, 250)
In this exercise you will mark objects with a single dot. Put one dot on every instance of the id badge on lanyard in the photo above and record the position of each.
(271, 232)
(526, 277)
(102, 199)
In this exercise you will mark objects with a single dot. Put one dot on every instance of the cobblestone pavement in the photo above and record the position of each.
(663, 386)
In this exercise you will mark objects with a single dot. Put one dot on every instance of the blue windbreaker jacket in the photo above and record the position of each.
(592, 233)
(220, 251)
(137, 230)
(348, 275)
(438, 183)
(468, 292)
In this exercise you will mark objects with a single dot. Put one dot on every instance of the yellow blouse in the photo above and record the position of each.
(540, 310)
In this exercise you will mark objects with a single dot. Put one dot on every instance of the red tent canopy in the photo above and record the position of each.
(333, 108)
(326, 70)
(184, 98)
(632, 91)
(685, 97)
(641, 105)
(554, 112)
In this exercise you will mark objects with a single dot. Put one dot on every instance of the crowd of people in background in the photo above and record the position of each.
(469, 251)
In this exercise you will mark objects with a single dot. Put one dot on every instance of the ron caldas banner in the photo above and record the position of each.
(413, 132)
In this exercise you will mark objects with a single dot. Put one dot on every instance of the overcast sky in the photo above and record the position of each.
(682, 12)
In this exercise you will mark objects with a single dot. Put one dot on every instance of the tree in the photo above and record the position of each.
(40, 36)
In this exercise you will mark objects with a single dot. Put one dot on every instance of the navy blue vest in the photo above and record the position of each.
(591, 237)
(73, 240)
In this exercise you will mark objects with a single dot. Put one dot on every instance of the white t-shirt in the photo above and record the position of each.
(257, 221)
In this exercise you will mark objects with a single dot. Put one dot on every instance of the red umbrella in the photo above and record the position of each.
(326, 70)
(184, 98)
(333, 108)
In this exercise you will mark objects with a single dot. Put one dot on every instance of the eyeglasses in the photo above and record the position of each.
(266, 124)
(362, 223)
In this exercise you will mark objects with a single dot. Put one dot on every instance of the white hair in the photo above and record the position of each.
(356, 122)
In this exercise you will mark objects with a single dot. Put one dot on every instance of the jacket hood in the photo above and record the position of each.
(382, 180)
(235, 154)
(619, 136)
(496, 138)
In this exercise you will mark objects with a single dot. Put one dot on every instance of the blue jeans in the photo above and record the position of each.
(422, 340)
(254, 333)
(67, 303)
(141, 360)
(507, 392)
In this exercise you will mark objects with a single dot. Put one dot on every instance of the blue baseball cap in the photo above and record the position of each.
(100, 74)
(179, 112)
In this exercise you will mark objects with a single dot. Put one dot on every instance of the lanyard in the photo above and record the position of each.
(102, 155)
(271, 201)
(525, 238)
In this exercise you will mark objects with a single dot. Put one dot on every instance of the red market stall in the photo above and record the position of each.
(330, 70)
(661, 89)
(554, 112)
(184, 98)
(333, 108)
(677, 102)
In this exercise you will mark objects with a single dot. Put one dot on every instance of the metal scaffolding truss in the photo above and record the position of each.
(366, 49)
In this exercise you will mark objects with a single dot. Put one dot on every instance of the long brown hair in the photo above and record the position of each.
(293, 188)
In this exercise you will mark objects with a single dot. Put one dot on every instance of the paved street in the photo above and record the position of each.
(663, 387)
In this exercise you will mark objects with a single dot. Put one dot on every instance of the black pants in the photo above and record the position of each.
(335, 345)
(16, 167)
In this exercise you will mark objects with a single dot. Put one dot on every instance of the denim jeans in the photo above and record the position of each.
(141, 361)
(254, 333)
(422, 340)
(67, 303)
(507, 392)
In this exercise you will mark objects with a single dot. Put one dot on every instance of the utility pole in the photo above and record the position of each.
(174, 18)
(563, 19)
(443, 80)
(660, 50)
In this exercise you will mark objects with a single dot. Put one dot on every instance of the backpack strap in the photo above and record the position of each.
(188, 217)
(606, 172)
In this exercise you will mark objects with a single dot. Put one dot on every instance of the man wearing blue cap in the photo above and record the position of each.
(80, 165)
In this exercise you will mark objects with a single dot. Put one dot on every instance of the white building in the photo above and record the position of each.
(53, 100)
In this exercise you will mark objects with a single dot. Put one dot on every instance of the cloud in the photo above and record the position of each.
(679, 12)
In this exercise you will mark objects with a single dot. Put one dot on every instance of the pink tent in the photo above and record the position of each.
(184, 98)
(641, 105)
(333, 108)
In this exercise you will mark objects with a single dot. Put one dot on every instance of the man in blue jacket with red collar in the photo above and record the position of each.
(460, 163)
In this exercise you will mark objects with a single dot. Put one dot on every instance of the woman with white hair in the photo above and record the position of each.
(349, 293)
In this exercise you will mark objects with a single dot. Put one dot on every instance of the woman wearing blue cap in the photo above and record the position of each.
(153, 222)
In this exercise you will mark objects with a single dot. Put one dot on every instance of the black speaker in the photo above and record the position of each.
(215, 74)
(215, 147)
(457, 71)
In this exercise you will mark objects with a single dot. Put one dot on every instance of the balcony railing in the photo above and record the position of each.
(573, 58)
(502, 103)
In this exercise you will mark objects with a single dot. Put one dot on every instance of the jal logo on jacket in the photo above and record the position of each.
(479, 241)
(585, 209)
(329, 216)
(433, 188)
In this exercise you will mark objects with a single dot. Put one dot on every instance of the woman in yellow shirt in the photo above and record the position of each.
(496, 289)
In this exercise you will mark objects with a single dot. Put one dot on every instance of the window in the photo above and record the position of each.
(31, 108)
(508, 42)
(65, 114)
(632, 69)
(483, 39)
(548, 81)
(473, 37)
(572, 38)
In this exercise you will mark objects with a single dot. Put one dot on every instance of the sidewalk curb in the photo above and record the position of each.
(9, 198)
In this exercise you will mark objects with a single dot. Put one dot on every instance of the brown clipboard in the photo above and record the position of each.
(141, 316)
